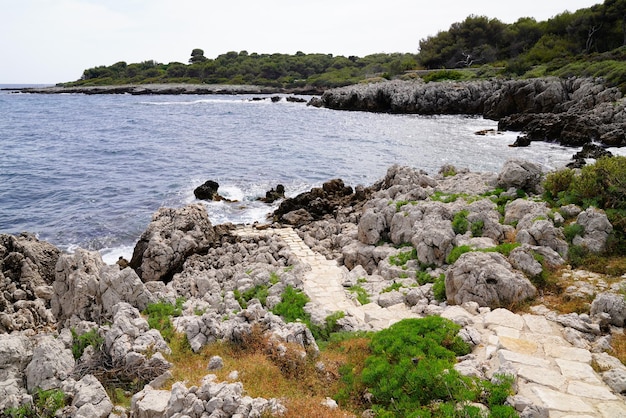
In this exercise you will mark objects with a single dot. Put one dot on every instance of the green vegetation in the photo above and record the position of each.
(439, 288)
(45, 404)
(159, 316)
(361, 294)
(460, 223)
(401, 259)
(80, 342)
(259, 292)
(410, 373)
(392, 287)
(601, 185)
(504, 249)
(273, 70)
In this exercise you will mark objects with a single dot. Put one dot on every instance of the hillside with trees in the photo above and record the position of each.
(587, 42)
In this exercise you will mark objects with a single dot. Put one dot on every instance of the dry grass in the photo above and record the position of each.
(297, 381)
(618, 344)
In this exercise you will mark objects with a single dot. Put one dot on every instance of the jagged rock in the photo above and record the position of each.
(372, 227)
(522, 258)
(433, 240)
(51, 364)
(592, 151)
(208, 191)
(87, 289)
(597, 229)
(612, 304)
(215, 363)
(89, 397)
(520, 174)
(172, 236)
(390, 298)
(16, 351)
(488, 279)
(543, 233)
(26, 276)
(616, 380)
(518, 209)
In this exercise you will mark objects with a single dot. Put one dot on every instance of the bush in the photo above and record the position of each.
(477, 228)
(361, 294)
(259, 292)
(159, 317)
(45, 404)
(439, 288)
(457, 252)
(80, 342)
(460, 223)
(401, 259)
(570, 231)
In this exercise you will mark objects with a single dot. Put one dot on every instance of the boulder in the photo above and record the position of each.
(520, 174)
(433, 240)
(172, 236)
(16, 352)
(612, 304)
(597, 229)
(87, 289)
(52, 363)
(90, 398)
(543, 233)
(26, 277)
(487, 279)
(208, 191)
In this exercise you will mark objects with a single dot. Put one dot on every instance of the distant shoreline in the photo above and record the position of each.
(169, 89)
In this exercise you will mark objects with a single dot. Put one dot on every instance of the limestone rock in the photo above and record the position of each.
(172, 236)
(597, 229)
(51, 364)
(90, 398)
(520, 174)
(612, 304)
(488, 279)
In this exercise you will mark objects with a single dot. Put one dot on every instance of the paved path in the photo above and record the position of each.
(323, 284)
(551, 372)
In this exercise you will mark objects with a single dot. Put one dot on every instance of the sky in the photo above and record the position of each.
(52, 41)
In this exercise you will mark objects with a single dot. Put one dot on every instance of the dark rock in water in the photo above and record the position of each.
(296, 99)
(485, 132)
(275, 99)
(521, 141)
(317, 203)
(273, 195)
(208, 191)
(592, 151)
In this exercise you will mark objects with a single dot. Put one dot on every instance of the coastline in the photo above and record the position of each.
(166, 89)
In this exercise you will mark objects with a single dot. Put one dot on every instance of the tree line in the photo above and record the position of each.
(593, 34)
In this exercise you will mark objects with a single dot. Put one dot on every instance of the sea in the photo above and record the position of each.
(89, 171)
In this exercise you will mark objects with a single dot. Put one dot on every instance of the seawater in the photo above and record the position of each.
(90, 170)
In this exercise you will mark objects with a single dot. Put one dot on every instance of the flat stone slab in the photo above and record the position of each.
(612, 409)
(505, 355)
(587, 390)
(518, 345)
(574, 370)
(504, 318)
(568, 353)
(537, 324)
(561, 401)
(542, 376)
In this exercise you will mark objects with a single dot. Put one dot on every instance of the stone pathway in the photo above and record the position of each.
(552, 373)
(323, 284)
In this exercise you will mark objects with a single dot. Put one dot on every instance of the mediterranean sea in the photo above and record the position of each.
(90, 170)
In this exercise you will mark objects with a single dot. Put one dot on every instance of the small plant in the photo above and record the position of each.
(45, 404)
(460, 223)
(457, 252)
(259, 292)
(570, 231)
(402, 258)
(274, 278)
(424, 277)
(477, 228)
(439, 288)
(439, 196)
(361, 294)
(392, 287)
(291, 306)
(159, 316)
(80, 342)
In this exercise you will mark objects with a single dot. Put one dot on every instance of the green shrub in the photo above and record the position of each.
(291, 306)
(557, 182)
(159, 316)
(477, 228)
(439, 288)
(505, 248)
(392, 287)
(424, 277)
(80, 342)
(443, 75)
(570, 231)
(402, 258)
(457, 252)
(460, 223)
(411, 365)
(361, 294)
(259, 292)
(45, 404)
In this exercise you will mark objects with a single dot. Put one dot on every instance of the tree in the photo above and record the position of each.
(197, 55)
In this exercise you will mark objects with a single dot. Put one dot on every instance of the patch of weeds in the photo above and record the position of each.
(424, 277)
(505, 248)
(439, 196)
(457, 252)
(460, 224)
(439, 288)
(391, 288)
(361, 294)
(570, 231)
(402, 258)
(400, 203)
(159, 316)
(80, 342)
(291, 306)
(260, 292)
(45, 404)
(286, 270)
(477, 228)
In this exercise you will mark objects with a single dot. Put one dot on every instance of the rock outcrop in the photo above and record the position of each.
(573, 111)
(172, 236)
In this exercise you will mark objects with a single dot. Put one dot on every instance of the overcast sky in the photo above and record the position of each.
(50, 41)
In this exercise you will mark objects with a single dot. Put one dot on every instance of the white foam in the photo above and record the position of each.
(111, 255)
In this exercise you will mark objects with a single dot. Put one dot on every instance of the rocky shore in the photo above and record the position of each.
(163, 89)
(396, 242)
(573, 111)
